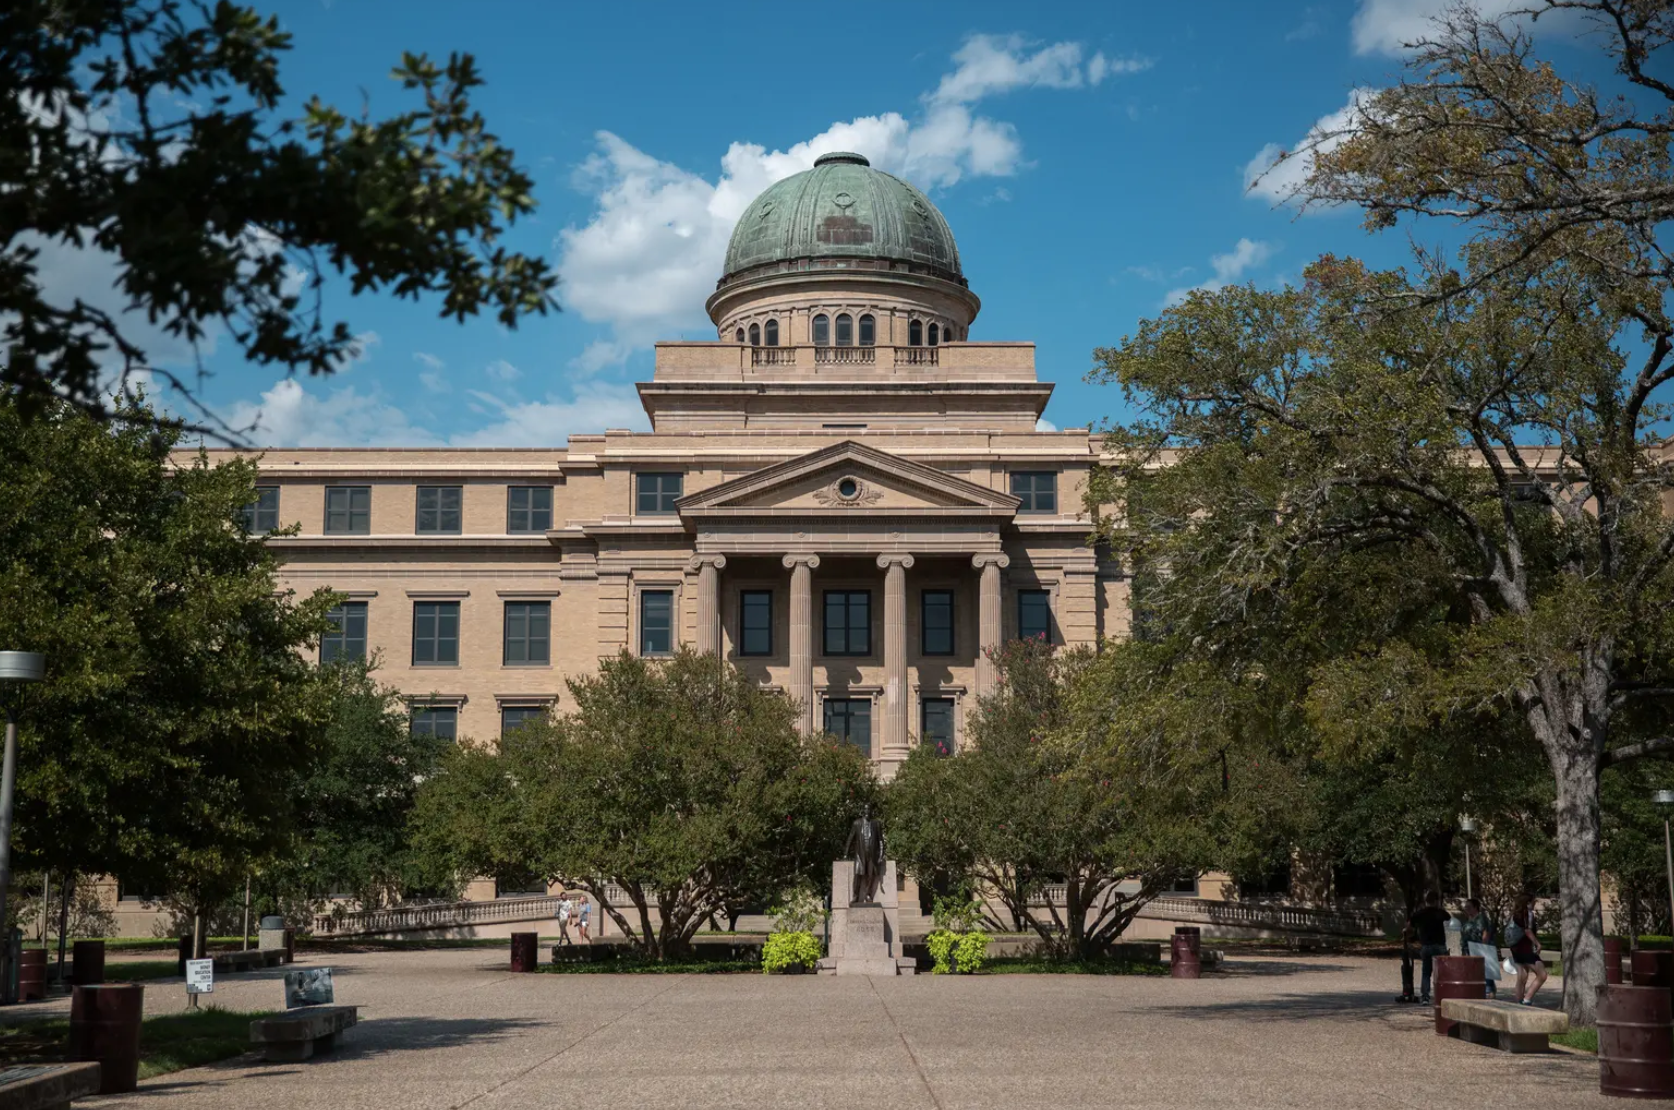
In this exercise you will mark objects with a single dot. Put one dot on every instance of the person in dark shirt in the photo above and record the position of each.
(1428, 924)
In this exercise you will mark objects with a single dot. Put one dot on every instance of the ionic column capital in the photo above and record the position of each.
(991, 558)
(903, 561)
(791, 562)
(698, 562)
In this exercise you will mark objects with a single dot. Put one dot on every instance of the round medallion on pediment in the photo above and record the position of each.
(848, 490)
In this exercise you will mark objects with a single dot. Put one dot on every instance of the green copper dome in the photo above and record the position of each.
(843, 209)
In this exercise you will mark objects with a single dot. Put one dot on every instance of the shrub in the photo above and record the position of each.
(786, 950)
(957, 953)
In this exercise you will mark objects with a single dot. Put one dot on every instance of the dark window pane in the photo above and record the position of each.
(755, 622)
(868, 331)
(848, 622)
(850, 720)
(936, 623)
(937, 725)
(1034, 615)
(772, 335)
(349, 510)
(915, 334)
(845, 330)
(512, 716)
(347, 636)
(528, 509)
(438, 510)
(528, 631)
(1037, 490)
(755, 335)
(656, 622)
(738, 336)
(440, 721)
(822, 330)
(935, 334)
(262, 514)
(436, 632)
(657, 492)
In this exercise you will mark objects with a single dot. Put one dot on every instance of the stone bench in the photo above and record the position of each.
(228, 962)
(298, 1034)
(1315, 944)
(1504, 1025)
(46, 1086)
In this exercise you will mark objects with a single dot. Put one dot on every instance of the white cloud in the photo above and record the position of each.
(549, 422)
(431, 377)
(427, 360)
(1042, 424)
(1275, 177)
(1228, 268)
(502, 371)
(649, 257)
(1387, 26)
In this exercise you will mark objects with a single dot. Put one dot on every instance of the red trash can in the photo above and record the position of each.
(105, 1028)
(1613, 960)
(1185, 963)
(32, 975)
(1455, 977)
(525, 951)
(1635, 1042)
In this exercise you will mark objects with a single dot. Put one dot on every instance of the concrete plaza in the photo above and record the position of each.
(456, 1029)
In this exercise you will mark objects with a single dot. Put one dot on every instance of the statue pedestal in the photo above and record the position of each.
(865, 936)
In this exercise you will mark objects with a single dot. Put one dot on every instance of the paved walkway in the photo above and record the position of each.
(455, 1029)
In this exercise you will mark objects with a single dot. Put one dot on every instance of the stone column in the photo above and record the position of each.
(894, 732)
(988, 618)
(708, 601)
(802, 635)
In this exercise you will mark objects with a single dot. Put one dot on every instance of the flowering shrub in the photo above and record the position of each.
(783, 951)
(957, 953)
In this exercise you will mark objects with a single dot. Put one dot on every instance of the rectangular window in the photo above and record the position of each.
(262, 514)
(936, 724)
(848, 622)
(438, 510)
(528, 632)
(1185, 884)
(520, 886)
(435, 633)
(658, 493)
(656, 622)
(936, 622)
(528, 509)
(1036, 489)
(440, 721)
(348, 510)
(850, 720)
(346, 638)
(755, 622)
(512, 716)
(1034, 615)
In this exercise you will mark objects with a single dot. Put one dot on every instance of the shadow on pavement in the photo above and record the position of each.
(380, 1036)
(1350, 1005)
(1239, 967)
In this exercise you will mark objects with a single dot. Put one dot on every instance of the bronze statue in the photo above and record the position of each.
(866, 848)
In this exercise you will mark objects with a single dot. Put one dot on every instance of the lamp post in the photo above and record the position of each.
(1468, 826)
(1665, 799)
(16, 667)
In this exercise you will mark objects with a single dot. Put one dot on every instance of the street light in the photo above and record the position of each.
(16, 667)
(1468, 826)
(1665, 799)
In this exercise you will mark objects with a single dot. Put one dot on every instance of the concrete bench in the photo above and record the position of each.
(228, 962)
(298, 1034)
(46, 1086)
(1504, 1025)
(1315, 944)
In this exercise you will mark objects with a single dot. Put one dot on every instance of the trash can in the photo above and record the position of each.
(525, 951)
(105, 1028)
(1456, 977)
(1635, 1042)
(1184, 963)
(32, 975)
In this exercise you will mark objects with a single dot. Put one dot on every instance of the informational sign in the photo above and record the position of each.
(200, 976)
(308, 987)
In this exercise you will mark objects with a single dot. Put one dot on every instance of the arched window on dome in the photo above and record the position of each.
(771, 333)
(755, 335)
(868, 331)
(822, 330)
(739, 338)
(845, 330)
(915, 334)
(935, 333)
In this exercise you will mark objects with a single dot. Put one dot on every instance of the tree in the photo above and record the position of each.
(147, 131)
(177, 705)
(679, 783)
(1567, 194)
(1029, 802)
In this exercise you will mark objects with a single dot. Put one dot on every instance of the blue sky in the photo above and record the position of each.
(1093, 160)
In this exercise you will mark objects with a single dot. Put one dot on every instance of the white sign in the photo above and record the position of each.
(200, 976)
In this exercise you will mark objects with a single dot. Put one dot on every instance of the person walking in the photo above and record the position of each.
(1428, 924)
(1525, 950)
(564, 921)
(586, 920)
(1478, 935)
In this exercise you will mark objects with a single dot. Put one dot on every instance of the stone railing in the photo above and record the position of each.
(434, 915)
(917, 356)
(1263, 916)
(772, 356)
(825, 356)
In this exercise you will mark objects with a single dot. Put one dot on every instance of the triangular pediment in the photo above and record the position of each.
(848, 477)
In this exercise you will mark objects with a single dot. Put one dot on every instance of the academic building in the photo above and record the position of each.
(844, 492)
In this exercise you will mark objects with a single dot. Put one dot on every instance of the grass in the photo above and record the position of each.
(169, 1042)
(135, 971)
(1584, 1038)
(1042, 965)
(628, 962)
